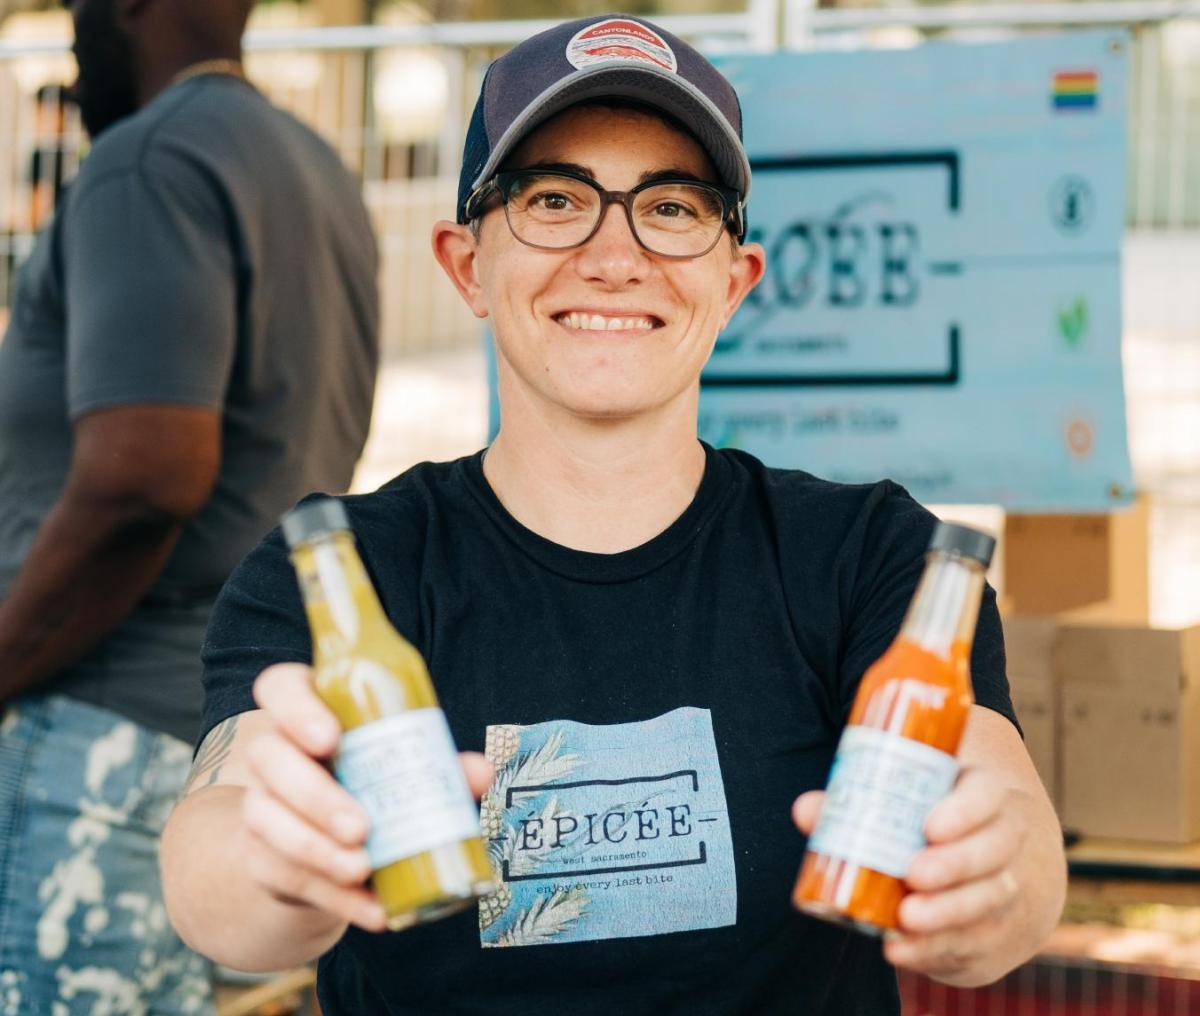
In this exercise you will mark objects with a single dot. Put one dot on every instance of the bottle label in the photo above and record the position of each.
(880, 792)
(404, 771)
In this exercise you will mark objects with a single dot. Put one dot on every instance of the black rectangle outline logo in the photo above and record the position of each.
(508, 802)
(951, 376)
(934, 157)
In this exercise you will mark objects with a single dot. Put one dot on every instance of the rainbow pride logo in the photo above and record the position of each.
(1076, 90)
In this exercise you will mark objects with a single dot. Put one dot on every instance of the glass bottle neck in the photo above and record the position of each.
(338, 595)
(945, 609)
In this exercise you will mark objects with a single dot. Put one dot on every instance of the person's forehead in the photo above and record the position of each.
(585, 135)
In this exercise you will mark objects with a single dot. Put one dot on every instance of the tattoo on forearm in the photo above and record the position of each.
(212, 755)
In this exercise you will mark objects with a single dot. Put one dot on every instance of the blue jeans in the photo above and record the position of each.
(84, 794)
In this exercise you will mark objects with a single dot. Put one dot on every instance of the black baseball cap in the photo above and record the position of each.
(607, 56)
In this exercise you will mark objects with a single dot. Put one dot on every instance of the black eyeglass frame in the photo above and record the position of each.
(500, 184)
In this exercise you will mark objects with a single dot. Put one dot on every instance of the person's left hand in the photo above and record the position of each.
(966, 885)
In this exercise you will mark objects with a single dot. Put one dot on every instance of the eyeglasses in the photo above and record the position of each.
(560, 210)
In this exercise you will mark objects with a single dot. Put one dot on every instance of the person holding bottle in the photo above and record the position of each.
(656, 644)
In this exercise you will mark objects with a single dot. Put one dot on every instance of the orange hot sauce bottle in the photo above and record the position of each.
(896, 757)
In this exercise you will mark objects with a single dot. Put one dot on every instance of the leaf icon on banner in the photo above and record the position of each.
(1073, 322)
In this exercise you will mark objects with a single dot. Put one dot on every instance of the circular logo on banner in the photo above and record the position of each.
(1072, 204)
(1081, 438)
(620, 39)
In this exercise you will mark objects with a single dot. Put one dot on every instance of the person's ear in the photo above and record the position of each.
(457, 251)
(745, 271)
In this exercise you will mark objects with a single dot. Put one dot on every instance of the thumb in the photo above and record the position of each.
(807, 809)
(478, 770)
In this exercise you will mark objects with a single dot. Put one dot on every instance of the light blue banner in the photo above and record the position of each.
(942, 302)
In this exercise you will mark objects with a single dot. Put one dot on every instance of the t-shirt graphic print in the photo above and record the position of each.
(606, 831)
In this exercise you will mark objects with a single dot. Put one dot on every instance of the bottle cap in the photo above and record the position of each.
(951, 538)
(314, 519)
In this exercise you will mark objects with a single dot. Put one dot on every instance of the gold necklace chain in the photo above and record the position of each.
(232, 68)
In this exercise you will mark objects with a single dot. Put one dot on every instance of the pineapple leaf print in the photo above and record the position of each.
(491, 827)
(546, 919)
(501, 744)
(534, 768)
(539, 767)
(493, 905)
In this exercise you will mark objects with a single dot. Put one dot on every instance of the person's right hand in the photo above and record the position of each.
(304, 834)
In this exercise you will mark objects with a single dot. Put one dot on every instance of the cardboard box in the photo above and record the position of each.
(1028, 643)
(1130, 756)
(1096, 566)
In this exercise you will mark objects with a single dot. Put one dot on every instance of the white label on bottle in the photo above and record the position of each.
(880, 792)
(404, 771)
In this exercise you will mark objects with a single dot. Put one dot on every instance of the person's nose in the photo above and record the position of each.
(613, 256)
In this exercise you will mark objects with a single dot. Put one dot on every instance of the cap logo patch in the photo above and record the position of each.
(619, 40)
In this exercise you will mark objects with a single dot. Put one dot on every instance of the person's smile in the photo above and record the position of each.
(594, 320)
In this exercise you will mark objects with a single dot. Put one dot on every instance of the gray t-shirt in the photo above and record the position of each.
(214, 252)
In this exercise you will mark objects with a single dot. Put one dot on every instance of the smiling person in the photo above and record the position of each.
(655, 643)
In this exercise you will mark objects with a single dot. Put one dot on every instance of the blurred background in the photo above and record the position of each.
(390, 84)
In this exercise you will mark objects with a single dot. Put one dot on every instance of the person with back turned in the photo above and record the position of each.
(193, 344)
(657, 643)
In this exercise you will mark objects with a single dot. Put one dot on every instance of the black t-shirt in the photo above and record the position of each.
(653, 714)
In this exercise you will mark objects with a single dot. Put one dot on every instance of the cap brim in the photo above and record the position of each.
(634, 79)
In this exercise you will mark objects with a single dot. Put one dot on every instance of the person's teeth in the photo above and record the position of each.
(596, 322)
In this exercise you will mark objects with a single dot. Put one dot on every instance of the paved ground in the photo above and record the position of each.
(427, 408)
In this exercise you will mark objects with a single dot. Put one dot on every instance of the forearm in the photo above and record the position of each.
(213, 903)
(90, 563)
(1046, 875)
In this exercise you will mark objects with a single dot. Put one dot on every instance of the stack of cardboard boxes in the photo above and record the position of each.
(1110, 706)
